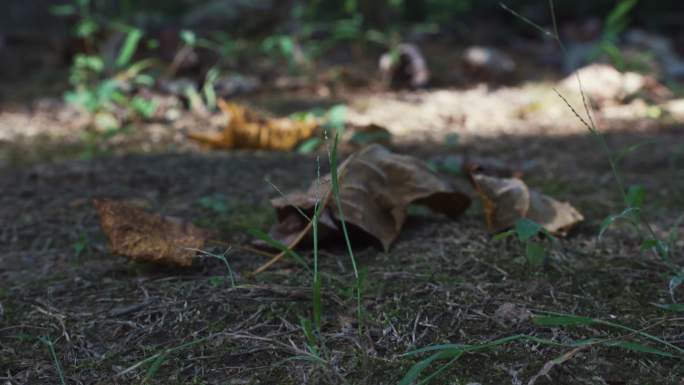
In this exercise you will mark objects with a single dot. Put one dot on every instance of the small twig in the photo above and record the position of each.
(268, 180)
(544, 371)
(295, 242)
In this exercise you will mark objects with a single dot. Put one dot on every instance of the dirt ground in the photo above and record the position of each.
(117, 322)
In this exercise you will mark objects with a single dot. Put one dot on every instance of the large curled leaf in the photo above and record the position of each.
(376, 187)
(144, 236)
(247, 129)
(506, 200)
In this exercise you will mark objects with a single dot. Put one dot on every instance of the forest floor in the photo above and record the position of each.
(110, 320)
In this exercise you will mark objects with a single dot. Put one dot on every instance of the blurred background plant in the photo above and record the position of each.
(122, 54)
(105, 79)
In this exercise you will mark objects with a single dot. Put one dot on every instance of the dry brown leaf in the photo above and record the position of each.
(144, 236)
(246, 129)
(376, 189)
(506, 200)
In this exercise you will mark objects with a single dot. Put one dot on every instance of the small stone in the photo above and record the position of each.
(604, 84)
(404, 66)
(488, 62)
(512, 314)
(237, 84)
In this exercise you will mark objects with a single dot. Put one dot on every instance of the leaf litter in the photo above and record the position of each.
(247, 129)
(143, 236)
(376, 189)
(506, 200)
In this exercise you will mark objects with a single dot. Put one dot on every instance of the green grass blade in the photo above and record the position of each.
(639, 348)
(676, 307)
(503, 235)
(643, 334)
(627, 213)
(316, 274)
(55, 360)
(278, 245)
(440, 370)
(526, 228)
(672, 237)
(418, 368)
(128, 48)
(626, 151)
(616, 19)
(562, 320)
(535, 253)
(557, 319)
(432, 348)
(309, 146)
(336, 194)
(454, 351)
(635, 196)
(306, 357)
(154, 367)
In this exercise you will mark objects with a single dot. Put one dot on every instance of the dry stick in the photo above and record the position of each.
(306, 229)
(544, 371)
(294, 243)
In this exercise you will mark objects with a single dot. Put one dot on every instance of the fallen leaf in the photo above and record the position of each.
(249, 130)
(506, 200)
(144, 236)
(376, 187)
(491, 167)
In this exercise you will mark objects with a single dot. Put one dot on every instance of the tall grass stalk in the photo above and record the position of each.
(632, 214)
(336, 194)
(316, 274)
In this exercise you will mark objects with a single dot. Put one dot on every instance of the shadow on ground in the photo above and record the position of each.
(111, 320)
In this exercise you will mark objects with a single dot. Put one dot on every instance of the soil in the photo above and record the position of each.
(112, 321)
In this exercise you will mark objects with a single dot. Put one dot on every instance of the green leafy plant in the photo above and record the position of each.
(333, 119)
(525, 230)
(633, 197)
(311, 327)
(82, 244)
(106, 88)
(614, 24)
